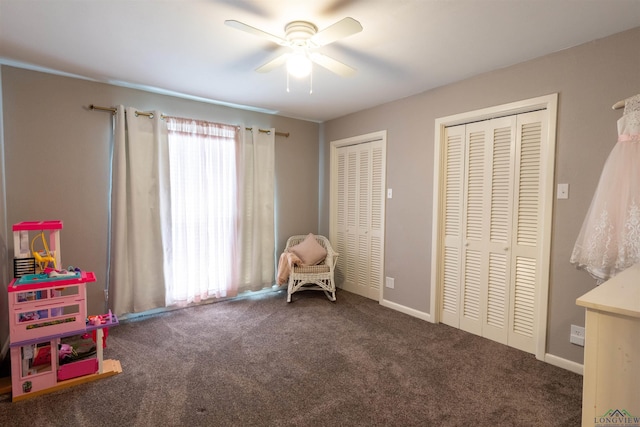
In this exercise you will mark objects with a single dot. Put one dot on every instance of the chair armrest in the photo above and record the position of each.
(334, 259)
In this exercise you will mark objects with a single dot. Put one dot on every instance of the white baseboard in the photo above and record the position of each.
(406, 310)
(574, 367)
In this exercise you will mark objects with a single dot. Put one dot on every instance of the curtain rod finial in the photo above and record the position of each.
(95, 107)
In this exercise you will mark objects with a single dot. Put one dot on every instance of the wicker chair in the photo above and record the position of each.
(316, 277)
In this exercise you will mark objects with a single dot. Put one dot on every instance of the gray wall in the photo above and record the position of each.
(4, 267)
(589, 79)
(57, 157)
(56, 154)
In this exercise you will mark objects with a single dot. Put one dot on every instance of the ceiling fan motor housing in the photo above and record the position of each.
(299, 33)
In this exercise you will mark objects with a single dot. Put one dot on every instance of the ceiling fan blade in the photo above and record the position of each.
(274, 63)
(331, 64)
(341, 29)
(256, 32)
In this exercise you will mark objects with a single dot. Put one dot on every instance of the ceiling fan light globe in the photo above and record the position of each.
(299, 66)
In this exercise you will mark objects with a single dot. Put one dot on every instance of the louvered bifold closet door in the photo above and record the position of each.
(499, 230)
(376, 219)
(360, 218)
(341, 216)
(526, 240)
(454, 161)
(347, 218)
(363, 202)
(474, 223)
(493, 220)
(486, 228)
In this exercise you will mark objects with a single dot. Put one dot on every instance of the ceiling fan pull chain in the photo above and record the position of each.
(311, 81)
(287, 81)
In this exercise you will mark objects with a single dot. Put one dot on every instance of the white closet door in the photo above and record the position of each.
(491, 213)
(454, 160)
(474, 239)
(341, 215)
(364, 212)
(486, 228)
(360, 218)
(532, 137)
(500, 178)
(351, 252)
(347, 203)
(376, 220)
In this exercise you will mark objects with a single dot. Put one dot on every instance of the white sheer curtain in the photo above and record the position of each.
(139, 193)
(257, 251)
(192, 211)
(204, 210)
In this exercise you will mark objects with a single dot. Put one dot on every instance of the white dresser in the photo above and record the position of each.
(611, 384)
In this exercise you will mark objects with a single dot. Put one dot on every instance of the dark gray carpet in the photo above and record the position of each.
(260, 361)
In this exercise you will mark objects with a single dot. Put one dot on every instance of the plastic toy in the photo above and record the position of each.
(66, 351)
(43, 258)
(25, 252)
(46, 308)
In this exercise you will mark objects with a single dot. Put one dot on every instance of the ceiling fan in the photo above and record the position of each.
(303, 37)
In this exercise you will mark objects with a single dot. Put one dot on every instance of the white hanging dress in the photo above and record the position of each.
(609, 240)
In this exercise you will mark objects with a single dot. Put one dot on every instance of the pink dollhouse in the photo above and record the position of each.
(47, 308)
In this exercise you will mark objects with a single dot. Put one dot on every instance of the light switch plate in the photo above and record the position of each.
(563, 191)
(390, 282)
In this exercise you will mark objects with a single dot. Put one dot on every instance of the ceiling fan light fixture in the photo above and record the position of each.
(302, 38)
(299, 65)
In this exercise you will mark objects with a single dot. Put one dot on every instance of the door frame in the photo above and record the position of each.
(333, 186)
(548, 102)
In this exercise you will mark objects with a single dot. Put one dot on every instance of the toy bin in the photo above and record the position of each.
(78, 369)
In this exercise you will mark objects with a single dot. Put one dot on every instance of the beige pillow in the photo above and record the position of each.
(309, 250)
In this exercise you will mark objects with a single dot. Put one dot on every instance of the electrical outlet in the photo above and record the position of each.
(577, 335)
(389, 283)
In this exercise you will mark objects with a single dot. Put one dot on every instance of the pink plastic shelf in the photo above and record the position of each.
(58, 322)
(113, 321)
(38, 225)
(85, 277)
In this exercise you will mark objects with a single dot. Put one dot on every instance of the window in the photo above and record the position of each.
(204, 188)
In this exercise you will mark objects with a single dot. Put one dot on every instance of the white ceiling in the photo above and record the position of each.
(182, 47)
